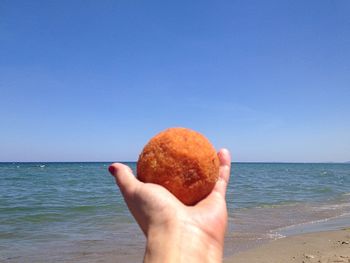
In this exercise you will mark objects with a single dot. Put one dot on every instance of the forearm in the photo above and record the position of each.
(181, 244)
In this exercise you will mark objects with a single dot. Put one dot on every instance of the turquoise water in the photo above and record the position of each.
(74, 212)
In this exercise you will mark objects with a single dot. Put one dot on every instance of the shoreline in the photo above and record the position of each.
(73, 212)
(287, 221)
(321, 247)
(299, 231)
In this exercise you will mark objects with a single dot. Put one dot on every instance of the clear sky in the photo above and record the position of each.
(95, 80)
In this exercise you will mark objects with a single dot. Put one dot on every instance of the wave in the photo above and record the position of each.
(308, 226)
(275, 236)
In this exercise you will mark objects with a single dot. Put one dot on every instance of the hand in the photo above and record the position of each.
(176, 232)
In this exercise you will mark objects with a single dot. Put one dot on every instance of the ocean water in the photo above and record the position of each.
(73, 212)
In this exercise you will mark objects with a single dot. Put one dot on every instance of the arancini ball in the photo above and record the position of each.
(181, 160)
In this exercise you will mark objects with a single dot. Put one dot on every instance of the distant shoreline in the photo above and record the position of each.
(257, 162)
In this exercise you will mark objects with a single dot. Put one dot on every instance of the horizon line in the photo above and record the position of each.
(296, 162)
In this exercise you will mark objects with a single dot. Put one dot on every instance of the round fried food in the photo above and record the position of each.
(181, 160)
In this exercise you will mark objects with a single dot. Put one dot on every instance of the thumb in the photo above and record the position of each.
(221, 184)
(224, 171)
(124, 178)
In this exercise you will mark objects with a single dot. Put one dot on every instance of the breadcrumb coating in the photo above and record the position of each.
(181, 160)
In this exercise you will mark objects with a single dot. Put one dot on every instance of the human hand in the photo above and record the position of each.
(176, 232)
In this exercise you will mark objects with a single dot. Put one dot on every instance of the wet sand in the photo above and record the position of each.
(320, 247)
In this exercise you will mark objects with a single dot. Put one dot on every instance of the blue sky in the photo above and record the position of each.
(95, 80)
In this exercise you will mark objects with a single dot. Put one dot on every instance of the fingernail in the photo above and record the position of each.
(228, 153)
(111, 169)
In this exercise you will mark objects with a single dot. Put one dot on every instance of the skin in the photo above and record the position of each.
(176, 232)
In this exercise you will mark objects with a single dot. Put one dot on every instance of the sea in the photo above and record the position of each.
(73, 212)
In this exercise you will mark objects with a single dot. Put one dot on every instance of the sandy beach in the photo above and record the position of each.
(320, 247)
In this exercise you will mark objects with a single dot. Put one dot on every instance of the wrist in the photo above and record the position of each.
(181, 242)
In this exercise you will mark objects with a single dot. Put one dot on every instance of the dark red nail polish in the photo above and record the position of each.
(111, 169)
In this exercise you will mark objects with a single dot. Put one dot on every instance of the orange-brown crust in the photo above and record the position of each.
(181, 160)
